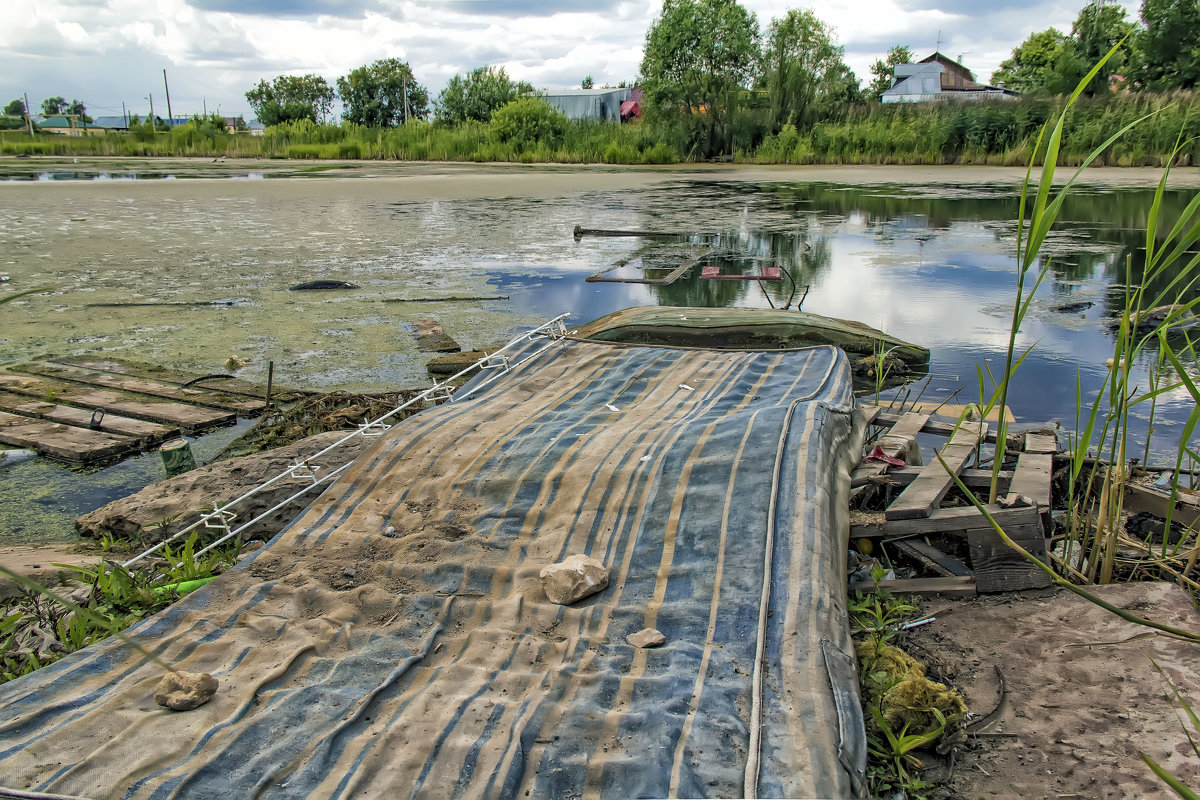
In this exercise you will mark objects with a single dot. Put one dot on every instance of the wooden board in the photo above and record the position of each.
(922, 496)
(133, 369)
(955, 412)
(1032, 477)
(950, 587)
(974, 478)
(956, 520)
(77, 445)
(199, 397)
(931, 558)
(1140, 498)
(999, 568)
(1041, 443)
(147, 434)
(935, 426)
(189, 419)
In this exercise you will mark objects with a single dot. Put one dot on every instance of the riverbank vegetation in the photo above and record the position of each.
(713, 85)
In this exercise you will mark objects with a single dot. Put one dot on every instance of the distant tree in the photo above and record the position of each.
(1168, 50)
(54, 105)
(291, 97)
(477, 95)
(698, 56)
(586, 83)
(1045, 63)
(884, 70)
(76, 108)
(382, 94)
(803, 69)
(15, 109)
(1098, 28)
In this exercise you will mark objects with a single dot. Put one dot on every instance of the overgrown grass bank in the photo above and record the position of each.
(994, 132)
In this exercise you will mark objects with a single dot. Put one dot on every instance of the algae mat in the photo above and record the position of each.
(395, 639)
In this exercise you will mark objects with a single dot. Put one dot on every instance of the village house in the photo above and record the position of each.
(939, 78)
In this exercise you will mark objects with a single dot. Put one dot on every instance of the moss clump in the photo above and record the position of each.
(905, 697)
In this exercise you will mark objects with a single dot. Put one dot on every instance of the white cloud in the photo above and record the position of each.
(108, 52)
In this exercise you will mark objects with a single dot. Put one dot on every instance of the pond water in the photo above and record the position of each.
(209, 264)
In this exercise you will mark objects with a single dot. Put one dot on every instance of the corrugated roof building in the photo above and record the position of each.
(593, 104)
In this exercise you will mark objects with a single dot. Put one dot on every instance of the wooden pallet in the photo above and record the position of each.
(146, 434)
(220, 383)
(915, 514)
(64, 442)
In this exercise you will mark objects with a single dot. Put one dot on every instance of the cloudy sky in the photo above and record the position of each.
(105, 52)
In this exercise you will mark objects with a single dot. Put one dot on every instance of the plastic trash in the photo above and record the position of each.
(8, 457)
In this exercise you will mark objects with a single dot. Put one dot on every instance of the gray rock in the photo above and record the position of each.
(646, 637)
(573, 579)
(138, 516)
(183, 691)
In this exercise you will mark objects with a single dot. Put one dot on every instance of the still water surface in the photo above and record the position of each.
(933, 264)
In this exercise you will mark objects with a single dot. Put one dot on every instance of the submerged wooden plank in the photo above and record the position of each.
(133, 369)
(189, 419)
(147, 434)
(91, 377)
(432, 338)
(77, 445)
(922, 496)
(1032, 477)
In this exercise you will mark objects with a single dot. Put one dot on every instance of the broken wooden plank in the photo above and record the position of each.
(949, 587)
(932, 426)
(432, 338)
(922, 496)
(952, 520)
(147, 434)
(77, 445)
(973, 478)
(932, 559)
(189, 419)
(957, 411)
(90, 377)
(1032, 478)
(1000, 568)
(1138, 498)
(220, 383)
(1041, 443)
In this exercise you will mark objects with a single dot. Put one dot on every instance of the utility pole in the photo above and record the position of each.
(125, 114)
(28, 116)
(170, 115)
(153, 127)
(204, 100)
(406, 104)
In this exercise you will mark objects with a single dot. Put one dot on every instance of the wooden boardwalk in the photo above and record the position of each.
(95, 410)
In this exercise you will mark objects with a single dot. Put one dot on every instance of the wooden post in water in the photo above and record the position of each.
(270, 381)
(177, 457)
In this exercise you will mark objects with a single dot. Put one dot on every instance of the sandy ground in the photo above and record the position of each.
(41, 563)
(1083, 698)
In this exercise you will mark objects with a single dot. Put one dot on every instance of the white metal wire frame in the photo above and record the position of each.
(221, 516)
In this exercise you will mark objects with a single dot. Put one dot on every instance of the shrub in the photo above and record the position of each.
(528, 121)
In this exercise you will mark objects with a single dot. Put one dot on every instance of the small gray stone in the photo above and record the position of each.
(646, 637)
(183, 691)
(573, 579)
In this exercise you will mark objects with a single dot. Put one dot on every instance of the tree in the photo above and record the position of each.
(76, 108)
(1168, 50)
(54, 105)
(1045, 63)
(477, 95)
(698, 56)
(1098, 28)
(884, 69)
(15, 109)
(291, 97)
(587, 82)
(803, 69)
(382, 94)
